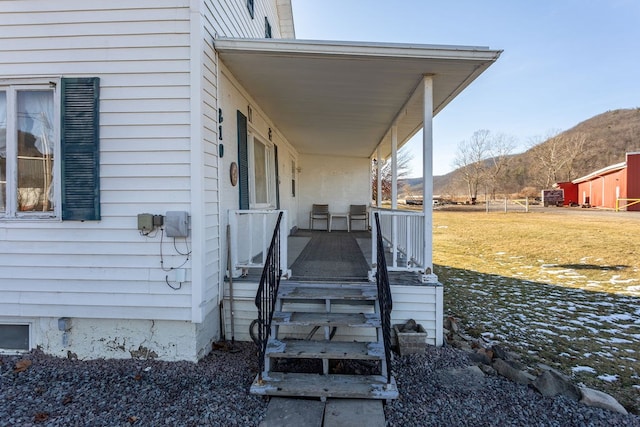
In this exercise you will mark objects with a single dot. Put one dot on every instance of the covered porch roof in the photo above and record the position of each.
(342, 98)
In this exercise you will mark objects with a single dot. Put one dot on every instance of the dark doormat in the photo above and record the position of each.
(330, 256)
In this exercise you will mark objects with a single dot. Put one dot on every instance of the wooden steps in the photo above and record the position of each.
(302, 349)
(351, 320)
(341, 293)
(326, 386)
(311, 307)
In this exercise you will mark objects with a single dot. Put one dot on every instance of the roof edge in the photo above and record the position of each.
(608, 169)
(347, 48)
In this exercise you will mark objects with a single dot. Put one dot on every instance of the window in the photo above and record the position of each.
(48, 165)
(263, 174)
(250, 8)
(267, 28)
(293, 178)
(28, 151)
(14, 338)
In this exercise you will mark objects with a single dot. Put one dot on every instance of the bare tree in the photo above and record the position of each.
(555, 156)
(500, 149)
(404, 157)
(470, 161)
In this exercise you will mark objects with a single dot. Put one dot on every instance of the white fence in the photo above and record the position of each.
(251, 232)
(403, 232)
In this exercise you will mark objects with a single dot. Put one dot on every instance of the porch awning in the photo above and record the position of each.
(341, 98)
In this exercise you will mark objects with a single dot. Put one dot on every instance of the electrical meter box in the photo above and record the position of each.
(176, 224)
(145, 222)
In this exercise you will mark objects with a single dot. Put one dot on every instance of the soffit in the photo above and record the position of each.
(341, 98)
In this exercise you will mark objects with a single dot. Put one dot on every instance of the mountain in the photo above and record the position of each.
(593, 144)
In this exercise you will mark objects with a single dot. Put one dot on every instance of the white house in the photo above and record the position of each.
(190, 111)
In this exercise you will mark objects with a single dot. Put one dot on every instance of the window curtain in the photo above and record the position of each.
(35, 115)
(35, 150)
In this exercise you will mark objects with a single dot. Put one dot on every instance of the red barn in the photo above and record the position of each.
(570, 192)
(602, 188)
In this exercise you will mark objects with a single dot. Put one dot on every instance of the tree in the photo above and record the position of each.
(555, 156)
(470, 161)
(483, 160)
(404, 157)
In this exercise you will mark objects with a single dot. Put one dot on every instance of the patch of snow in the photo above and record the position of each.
(608, 378)
(619, 341)
(583, 369)
(564, 354)
(567, 328)
(545, 331)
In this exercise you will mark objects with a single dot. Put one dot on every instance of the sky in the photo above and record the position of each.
(564, 61)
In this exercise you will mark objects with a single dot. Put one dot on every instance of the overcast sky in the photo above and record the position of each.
(564, 61)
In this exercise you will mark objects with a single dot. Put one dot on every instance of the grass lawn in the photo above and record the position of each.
(561, 289)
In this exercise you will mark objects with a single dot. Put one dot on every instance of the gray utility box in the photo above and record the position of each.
(176, 224)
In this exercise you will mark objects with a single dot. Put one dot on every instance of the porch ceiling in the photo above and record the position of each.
(341, 98)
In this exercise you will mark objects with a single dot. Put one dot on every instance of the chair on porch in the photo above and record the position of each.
(358, 213)
(319, 212)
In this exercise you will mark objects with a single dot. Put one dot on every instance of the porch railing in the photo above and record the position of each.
(267, 293)
(384, 296)
(403, 235)
(251, 233)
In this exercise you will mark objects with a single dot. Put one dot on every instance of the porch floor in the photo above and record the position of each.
(338, 256)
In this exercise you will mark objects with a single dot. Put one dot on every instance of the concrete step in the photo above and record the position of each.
(292, 412)
(325, 386)
(303, 349)
(352, 320)
(340, 293)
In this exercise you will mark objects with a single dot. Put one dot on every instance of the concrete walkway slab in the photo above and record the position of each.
(289, 412)
(354, 413)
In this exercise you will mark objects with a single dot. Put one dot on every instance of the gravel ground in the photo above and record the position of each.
(60, 392)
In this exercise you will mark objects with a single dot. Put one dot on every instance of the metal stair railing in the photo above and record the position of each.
(267, 294)
(384, 298)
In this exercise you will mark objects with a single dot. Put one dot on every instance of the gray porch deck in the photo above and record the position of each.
(338, 256)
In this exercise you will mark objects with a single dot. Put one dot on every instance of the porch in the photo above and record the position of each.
(339, 258)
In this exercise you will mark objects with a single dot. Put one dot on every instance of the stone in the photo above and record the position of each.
(501, 352)
(466, 379)
(451, 324)
(488, 370)
(511, 373)
(599, 399)
(552, 383)
(481, 356)
(409, 326)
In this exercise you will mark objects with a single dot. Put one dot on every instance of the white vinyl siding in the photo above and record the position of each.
(140, 51)
(230, 18)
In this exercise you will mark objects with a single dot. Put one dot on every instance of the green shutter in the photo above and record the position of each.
(80, 149)
(243, 161)
(275, 154)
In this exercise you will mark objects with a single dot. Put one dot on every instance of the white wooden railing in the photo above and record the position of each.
(403, 233)
(251, 232)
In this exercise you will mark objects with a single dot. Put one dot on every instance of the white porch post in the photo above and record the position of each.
(427, 180)
(394, 192)
(379, 183)
(394, 167)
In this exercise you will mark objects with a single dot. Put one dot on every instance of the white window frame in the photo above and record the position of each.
(252, 138)
(11, 88)
(32, 334)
